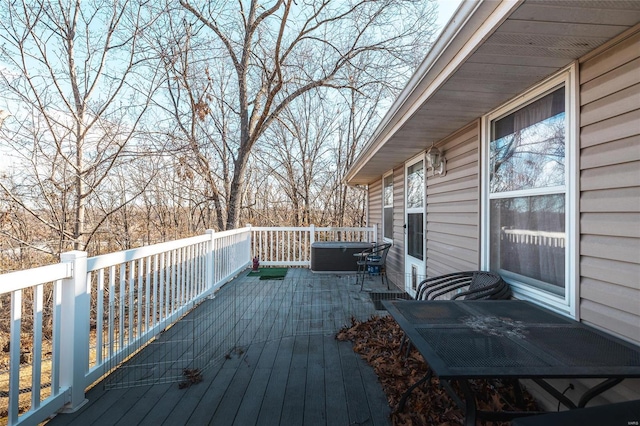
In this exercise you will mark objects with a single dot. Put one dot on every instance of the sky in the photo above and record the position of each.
(445, 10)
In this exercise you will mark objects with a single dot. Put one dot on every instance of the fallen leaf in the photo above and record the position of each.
(378, 342)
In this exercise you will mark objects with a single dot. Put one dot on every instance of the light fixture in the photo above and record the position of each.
(436, 161)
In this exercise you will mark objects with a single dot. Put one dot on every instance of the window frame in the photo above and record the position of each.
(563, 304)
(384, 177)
(411, 262)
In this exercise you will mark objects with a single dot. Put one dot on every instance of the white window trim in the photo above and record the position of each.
(384, 176)
(420, 157)
(422, 265)
(566, 305)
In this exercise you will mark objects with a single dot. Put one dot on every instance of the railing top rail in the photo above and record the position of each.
(280, 228)
(345, 228)
(230, 232)
(316, 228)
(111, 259)
(18, 280)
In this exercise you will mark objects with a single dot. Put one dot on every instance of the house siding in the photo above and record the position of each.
(375, 207)
(395, 258)
(609, 284)
(453, 221)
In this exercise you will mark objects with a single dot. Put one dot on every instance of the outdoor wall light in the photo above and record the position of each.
(436, 161)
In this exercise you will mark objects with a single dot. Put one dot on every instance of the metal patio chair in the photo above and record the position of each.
(468, 285)
(374, 258)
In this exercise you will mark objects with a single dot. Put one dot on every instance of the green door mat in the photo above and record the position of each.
(269, 273)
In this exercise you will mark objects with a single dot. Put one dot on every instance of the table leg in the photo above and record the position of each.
(362, 269)
(555, 393)
(585, 398)
(406, 394)
(470, 410)
(517, 391)
(597, 390)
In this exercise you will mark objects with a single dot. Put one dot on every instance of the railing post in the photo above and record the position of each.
(210, 259)
(74, 326)
(312, 239)
(250, 244)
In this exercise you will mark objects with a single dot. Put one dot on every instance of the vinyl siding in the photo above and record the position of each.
(375, 207)
(453, 206)
(609, 251)
(395, 258)
(609, 285)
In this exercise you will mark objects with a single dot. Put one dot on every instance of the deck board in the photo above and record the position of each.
(314, 402)
(271, 408)
(268, 356)
(211, 398)
(357, 404)
(293, 404)
(335, 394)
(233, 397)
(144, 404)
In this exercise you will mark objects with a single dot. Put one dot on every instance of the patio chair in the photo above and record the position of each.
(374, 258)
(468, 285)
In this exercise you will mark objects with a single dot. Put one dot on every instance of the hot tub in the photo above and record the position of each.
(336, 256)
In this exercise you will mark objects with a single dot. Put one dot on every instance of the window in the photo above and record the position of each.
(415, 210)
(387, 207)
(415, 186)
(528, 192)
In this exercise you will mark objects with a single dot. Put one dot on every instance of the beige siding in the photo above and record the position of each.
(375, 207)
(453, 206)
(395, 259)
(609, 284)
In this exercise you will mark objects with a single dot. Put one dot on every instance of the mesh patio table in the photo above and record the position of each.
(510, 339)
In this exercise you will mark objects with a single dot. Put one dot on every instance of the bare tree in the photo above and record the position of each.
(195, 118)
(362, 113)
(309, 150)
(77, 79)
(251, 60)
(295, 153)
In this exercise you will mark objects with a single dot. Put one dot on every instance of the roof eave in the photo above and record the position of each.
(462, 31)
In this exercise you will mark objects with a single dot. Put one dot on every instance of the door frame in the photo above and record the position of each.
(414, 268)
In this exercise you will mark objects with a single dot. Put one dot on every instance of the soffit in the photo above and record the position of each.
(537, 39)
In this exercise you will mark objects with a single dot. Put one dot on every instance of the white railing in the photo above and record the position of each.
(100, 310)
(538, 238)
(292, 246)
(50, 399)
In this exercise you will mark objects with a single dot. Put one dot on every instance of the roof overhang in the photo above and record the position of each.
(489, 53)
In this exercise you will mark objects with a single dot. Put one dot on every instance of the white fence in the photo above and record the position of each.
(292, 246)
(98, 311)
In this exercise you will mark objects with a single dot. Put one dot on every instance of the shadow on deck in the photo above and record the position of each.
(258, 353)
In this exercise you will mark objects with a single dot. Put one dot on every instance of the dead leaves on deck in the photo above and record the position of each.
(378, 342)
(192, 375)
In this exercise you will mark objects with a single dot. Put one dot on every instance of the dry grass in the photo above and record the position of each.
(24, 400)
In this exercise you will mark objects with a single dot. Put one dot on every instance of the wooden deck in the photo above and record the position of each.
(267, 354)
